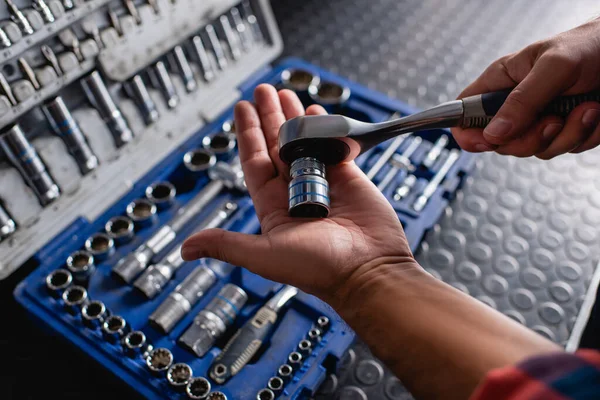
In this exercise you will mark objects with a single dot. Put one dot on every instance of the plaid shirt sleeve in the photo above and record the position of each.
(558, 376)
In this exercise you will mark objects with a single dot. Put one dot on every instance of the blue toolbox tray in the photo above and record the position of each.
(122, 299)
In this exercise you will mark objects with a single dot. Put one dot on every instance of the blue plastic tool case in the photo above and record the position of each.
(123, 300)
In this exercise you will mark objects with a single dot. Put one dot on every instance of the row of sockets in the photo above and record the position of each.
(114, 329)
(140, 212)
(296, 358)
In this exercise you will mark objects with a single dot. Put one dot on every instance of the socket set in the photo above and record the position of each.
(151, 148)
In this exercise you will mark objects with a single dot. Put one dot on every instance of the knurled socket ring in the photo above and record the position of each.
(308, 190)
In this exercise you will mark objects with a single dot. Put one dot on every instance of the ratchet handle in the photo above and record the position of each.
(243, 345)
(480, 109)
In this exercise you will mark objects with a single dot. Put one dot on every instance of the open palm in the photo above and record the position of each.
(320, 256)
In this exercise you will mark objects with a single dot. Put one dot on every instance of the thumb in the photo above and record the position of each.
(248, 251)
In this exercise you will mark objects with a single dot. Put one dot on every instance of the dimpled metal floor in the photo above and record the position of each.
(523, 234)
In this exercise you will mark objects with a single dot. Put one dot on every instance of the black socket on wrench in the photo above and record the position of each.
(120, 229)
(57, 281)
(101, 246)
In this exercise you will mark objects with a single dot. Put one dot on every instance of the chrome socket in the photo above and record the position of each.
(265, 394)
(295, 360)
(305, 347)
(81, 265)
(323, 323)
(197, 388)
(208, 72)
(185, 70)
(93, 314)
(275, 384)
(162, 81)
(162, 194)
(135, 344)
(285, 372)
(179, 376)
(74, 297)
(329, 93)
(199, 161)
(7, 224)
(159, 360)
(308, 190)
(185, 296)
(23, 156)
(113, 328)
(299, 80)
(101, 246)
(137, 90)
(221, 143)
(216, 396)
(57, 281)
(314, 335)
(120, 229)
(142, 212)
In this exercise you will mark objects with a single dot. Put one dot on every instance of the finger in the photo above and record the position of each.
(472, 140)
(291, 104)
(272, 117)
(591, 143)
(495, 77)
(550, 76)
(254, 155)
(316, 109)
(580, 126)
(252, 252)
(535, 140)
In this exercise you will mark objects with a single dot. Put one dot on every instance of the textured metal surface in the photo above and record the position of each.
(532, 227)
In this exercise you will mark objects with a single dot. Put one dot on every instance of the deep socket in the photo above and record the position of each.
(265, 394)
(74, 297)
(162, 194)
(7, 224)
(323, 323)
(135, 344)
(314, 335)
(212, 322)
(198, 388)
(81, 265)
(114, 328)
(64, 125)
(285, 371)
(179, 375)
(225, 175)
(162, 81)
(184, 68)
(305, 347)
(26, 160)
(93, 314)
(159, 360)
(221, 143)
(275, 384)
(181, 300)
(101, 246)
(137, 90)
(299, 80)
(99, 96)
(295, 360)
(153, 280)
(206, 65)
(120, 229)
(57, 281)
(308, 190)
(142, 212)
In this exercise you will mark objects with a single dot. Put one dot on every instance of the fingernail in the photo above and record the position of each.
(591, 118)
(551, 130)
(498, 127)
(482, 147)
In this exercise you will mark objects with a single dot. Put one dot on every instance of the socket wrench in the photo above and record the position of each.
(249, 338)
(64, 125)
(153, 280)
(400, 162)
(120, 229)
(136, 89)
(222, 175)
(99, 96)
(81, 265)
(57, 281)
(7, 224)
(23, 156)
(212, 322)
(181, 300)
(198, 388)
(159, 360)
(179, 376)
(435, 182)
(162, 194)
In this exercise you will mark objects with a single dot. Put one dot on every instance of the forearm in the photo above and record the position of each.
(437, 340)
